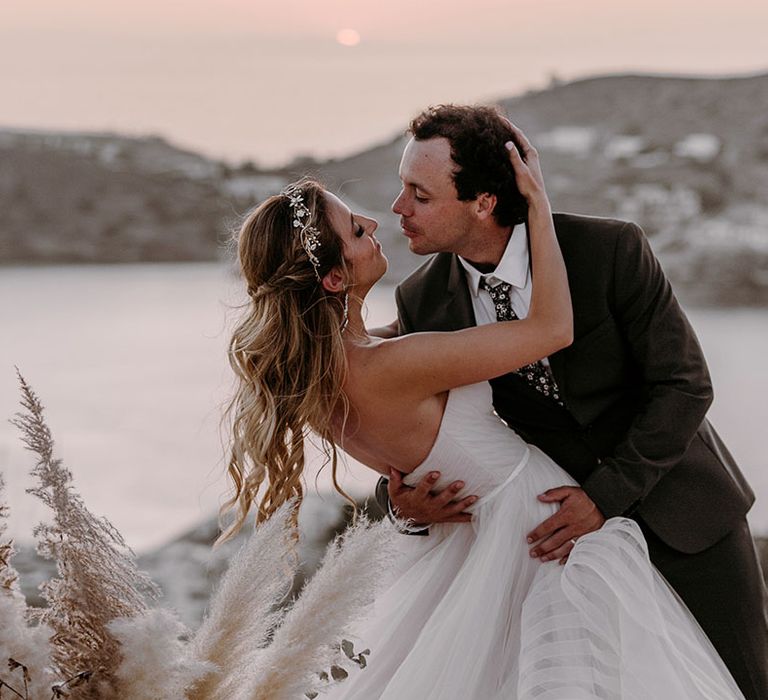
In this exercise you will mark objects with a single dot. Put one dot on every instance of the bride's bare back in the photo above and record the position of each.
(385, 428)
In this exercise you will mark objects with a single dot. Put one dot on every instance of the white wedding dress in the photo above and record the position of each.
(468, 615)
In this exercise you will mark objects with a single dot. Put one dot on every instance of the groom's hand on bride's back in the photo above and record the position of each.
(578, 515)
(422, 505)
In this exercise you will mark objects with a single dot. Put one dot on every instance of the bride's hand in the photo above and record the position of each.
(525, 160)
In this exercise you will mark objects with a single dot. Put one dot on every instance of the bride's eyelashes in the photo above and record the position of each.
(359, 231)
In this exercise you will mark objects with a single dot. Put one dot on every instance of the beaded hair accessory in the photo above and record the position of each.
(302, 218)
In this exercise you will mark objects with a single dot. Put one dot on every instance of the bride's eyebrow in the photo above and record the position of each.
(352, 219)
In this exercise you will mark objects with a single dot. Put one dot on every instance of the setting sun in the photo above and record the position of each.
(348, 37)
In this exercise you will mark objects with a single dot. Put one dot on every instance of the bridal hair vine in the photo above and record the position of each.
(302, 217)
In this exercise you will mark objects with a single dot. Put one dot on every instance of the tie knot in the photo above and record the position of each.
(499, 289)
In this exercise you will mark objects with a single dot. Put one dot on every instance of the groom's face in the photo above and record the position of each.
(432, 217)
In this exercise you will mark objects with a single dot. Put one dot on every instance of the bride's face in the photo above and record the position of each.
(362, 251)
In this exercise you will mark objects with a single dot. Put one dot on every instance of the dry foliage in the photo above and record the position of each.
(100, 640)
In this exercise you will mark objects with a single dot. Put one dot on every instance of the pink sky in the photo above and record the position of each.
(267, 80)
(398, 20)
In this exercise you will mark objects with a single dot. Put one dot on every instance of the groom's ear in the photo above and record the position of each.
(485, 203)
(333, 281)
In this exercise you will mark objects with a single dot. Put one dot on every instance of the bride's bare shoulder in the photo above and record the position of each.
(372, 363)
(391, 367)
(367, 355)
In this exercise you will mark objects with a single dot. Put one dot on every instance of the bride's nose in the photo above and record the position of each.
(369, 225)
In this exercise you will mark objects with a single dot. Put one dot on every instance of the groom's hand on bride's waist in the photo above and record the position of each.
(577, 516)
(422, 505)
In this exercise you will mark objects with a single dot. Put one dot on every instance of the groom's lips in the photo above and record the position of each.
(408, 232)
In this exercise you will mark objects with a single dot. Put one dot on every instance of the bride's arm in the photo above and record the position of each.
(429, 363)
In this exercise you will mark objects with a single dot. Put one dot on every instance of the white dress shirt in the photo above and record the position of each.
(514, 268)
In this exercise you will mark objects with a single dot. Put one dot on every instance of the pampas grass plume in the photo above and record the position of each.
(244, 609)
(247, 648)
(19, 640)
(336, 597)
(8, 575)
(98, 578)
(157, 658)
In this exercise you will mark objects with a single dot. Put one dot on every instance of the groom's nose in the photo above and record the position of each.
(397, 205)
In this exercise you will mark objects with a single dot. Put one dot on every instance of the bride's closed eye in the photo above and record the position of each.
(359, 231)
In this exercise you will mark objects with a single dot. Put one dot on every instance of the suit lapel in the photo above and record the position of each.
(558, 366)
(453, 311)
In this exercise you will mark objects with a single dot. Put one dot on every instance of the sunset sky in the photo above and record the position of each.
(268, 80)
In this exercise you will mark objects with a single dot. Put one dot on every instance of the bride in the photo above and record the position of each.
(467, 612)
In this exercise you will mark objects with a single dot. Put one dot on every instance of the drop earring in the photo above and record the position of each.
(345, 317)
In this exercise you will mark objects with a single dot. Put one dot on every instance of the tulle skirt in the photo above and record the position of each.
(470, 615)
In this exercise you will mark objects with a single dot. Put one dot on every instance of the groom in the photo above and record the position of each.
(622, 409)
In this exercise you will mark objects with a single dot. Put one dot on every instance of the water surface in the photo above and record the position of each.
(129, 361)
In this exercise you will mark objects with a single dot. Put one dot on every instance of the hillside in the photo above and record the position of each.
(687, 158)
(105, 198)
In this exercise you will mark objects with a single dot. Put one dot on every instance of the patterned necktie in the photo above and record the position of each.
(536, 374)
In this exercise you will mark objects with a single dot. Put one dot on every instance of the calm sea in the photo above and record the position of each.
(129, 363)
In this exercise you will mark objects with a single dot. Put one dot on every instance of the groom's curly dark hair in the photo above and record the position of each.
(477, 136)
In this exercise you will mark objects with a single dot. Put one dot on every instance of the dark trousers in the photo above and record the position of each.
(723, 587)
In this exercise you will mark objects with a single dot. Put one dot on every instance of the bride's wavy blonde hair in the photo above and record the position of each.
(287, 355)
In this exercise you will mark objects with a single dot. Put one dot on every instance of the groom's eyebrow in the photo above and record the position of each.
(415, 185)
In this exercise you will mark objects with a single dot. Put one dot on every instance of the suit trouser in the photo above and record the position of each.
(724, 589)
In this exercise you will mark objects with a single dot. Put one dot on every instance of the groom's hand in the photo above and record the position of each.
(578, 515)
(424, 507)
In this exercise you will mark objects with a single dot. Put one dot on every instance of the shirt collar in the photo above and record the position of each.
(512, 268)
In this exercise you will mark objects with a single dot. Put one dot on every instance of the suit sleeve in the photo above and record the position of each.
(677, 390)
(382, 496)
(403, 317)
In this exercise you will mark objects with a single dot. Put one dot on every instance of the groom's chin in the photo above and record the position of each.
(417, 247)
(422, 250)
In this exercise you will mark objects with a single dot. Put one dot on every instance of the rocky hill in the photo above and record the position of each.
(685, 157)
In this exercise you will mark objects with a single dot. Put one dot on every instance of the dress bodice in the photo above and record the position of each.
(473, 444)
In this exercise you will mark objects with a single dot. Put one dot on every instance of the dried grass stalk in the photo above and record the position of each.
(108, 644)
(158, 661)
(8, 575)
(27, 645)
(336, 597)
(98, 579)
(245, 608)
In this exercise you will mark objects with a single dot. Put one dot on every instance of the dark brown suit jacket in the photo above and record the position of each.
(634, 381)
